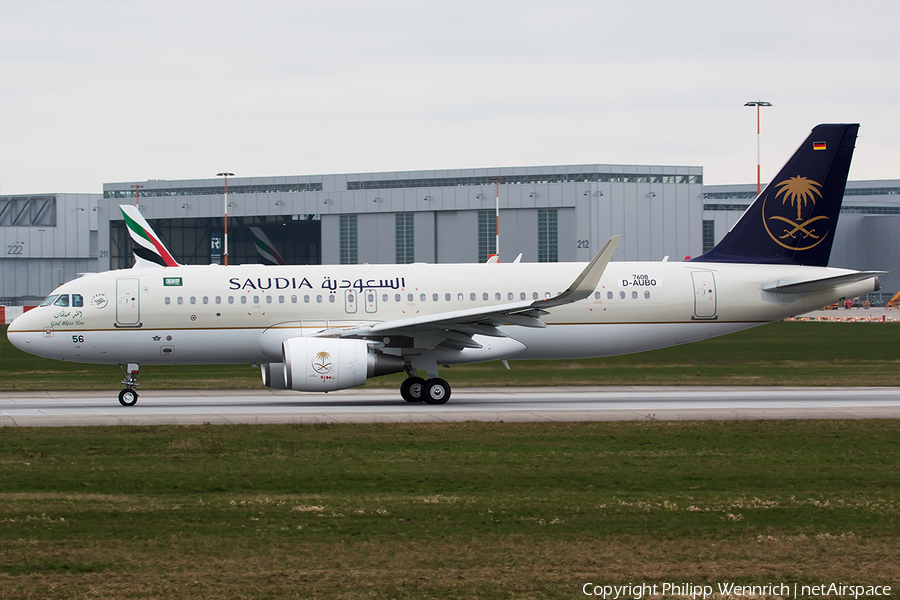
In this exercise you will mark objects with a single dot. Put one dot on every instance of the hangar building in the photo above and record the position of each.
(547, 214)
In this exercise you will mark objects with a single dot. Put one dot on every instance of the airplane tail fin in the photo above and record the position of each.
(793, 219)
(147, 246)
(265, 247)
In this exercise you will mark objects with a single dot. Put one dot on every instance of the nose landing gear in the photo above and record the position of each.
(128, 397)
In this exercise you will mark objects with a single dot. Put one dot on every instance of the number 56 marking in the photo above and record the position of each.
(78, 339)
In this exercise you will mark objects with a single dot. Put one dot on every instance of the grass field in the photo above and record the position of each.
(782, 353)
(468, 510)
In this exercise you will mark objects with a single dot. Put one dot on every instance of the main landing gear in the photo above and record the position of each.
(128, 397)
(432, 391)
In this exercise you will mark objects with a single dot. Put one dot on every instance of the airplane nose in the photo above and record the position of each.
(17, 335)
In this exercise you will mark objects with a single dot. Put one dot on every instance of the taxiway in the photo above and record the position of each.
(467, 404)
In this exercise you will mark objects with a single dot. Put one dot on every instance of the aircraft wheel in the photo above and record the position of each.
(413, 389)
(128, 397)
(437, 391)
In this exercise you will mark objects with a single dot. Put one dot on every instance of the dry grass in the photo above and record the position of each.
(511, 567)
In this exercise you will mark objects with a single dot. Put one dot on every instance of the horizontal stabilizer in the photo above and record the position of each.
(817, 285)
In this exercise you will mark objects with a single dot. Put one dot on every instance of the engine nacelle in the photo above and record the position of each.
(323, 364)
(273, 375)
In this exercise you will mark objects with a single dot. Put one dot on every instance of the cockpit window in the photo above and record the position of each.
(63, 300)
(49, 300)
(77, 300)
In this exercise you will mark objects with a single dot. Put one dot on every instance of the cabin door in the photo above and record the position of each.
(704, 295)
(128, 302)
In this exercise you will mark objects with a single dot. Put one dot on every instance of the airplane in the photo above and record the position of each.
(329, 327)
(265, 247)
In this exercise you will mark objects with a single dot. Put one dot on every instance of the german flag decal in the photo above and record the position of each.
(818, 145)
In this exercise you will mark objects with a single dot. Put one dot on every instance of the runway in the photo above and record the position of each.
(53, 409)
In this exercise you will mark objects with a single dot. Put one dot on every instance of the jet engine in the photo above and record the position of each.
(273, 375)
(323, 364)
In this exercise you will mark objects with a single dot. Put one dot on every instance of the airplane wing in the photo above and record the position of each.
(457, 327)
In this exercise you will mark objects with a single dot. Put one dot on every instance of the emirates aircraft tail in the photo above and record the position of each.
(147, 247)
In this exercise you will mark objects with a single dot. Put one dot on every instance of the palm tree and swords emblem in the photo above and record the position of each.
(320, 363)
(800, 192)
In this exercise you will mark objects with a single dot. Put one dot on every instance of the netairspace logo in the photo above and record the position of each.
(731, 590)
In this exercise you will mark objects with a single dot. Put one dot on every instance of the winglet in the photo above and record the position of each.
(585, 284)
(147, 246)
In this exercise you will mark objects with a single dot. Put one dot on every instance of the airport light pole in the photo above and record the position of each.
(225, 249)
(497, 217)
(137, 193)
(758, 104)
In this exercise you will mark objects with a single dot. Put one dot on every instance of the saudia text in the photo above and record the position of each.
(293, 283)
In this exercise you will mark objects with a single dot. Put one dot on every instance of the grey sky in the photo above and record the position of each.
(117, 90)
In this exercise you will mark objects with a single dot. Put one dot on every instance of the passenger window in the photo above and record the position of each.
(622, 295)
(484, 296)
(218, 299)
(546, 294)
(77, 300)
(534, 295)
(497, 296)
(168, 300)
(435, 297)
(460, 297)
(49, 300)
(396, 297)
(63, 300)
(472, 296)
(596, 295)
(179, 300)
(280, 299)
(447, 297)
(319, 298)
(268, 299)
(243, 299)
(421, 297)
(331, 297)
(409, 297)
(193, 300)
(205, 299)
(521, 295)
(370, 298)
(634, 295)
(609, 295)
(255, 299)
(384, 297)
(230, 299)
(646, 293)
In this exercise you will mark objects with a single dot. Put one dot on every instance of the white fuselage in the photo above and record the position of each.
(242, 314)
